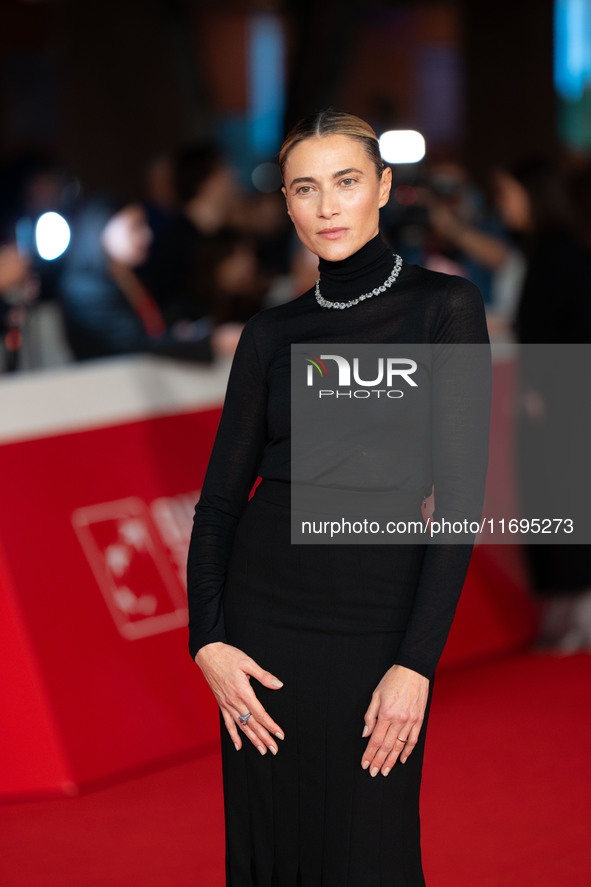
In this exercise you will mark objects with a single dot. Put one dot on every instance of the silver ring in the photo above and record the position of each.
(244, 718)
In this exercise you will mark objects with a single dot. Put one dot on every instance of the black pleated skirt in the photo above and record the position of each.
(327, 620)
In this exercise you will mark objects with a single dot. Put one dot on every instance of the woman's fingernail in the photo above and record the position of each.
(236, 746)
(365, 732)
(276, 683)
(403, 760)
(272, 749)
(261, 748)
(374, 771)
(386, 771)
(365, 765)
(280, 736)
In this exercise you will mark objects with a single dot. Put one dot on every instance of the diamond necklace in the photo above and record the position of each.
(324, 303)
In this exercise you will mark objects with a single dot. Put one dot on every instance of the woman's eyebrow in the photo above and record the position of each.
(344, 172)
(335, 175)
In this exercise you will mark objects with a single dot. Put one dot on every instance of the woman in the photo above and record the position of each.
(554, 307)
(106, 311)
(342, 640)
(106, 308)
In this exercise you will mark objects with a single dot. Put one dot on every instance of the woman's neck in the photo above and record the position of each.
(358, 273)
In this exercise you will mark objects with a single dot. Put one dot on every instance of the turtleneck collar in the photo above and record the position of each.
(358, 273)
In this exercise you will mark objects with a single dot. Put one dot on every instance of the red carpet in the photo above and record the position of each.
(505, 800)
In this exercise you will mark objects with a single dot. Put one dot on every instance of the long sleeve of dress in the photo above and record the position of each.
(461, 397)
(231, 473)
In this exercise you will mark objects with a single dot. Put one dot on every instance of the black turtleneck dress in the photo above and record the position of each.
(328, 620)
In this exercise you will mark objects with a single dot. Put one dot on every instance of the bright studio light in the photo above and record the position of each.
(402, 146)
(52, 236)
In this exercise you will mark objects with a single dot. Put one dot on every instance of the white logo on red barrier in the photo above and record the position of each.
(173, 515)
(137, 555)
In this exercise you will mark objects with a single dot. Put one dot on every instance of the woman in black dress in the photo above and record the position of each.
(342, 640)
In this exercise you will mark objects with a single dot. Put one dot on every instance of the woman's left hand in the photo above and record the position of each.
(394, 718)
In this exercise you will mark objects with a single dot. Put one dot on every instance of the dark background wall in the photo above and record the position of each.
(508, 86)
(106, 84)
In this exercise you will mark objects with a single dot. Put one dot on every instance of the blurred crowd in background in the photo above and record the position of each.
(178, 269)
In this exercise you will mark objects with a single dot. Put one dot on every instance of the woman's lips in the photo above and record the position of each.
(332, 233)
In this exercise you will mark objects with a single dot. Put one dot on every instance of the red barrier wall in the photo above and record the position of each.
(94, 528)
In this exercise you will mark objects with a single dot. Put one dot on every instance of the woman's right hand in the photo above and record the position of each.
(228, 670)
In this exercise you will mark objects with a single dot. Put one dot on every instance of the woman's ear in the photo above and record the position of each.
(385, 185)
(284, 192)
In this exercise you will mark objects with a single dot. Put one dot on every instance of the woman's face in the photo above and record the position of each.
(513, 202)
(333, 195)
(127, 236)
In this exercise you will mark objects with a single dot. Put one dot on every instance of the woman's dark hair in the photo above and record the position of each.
(332, 122)
(98, 318)
(547, 189)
